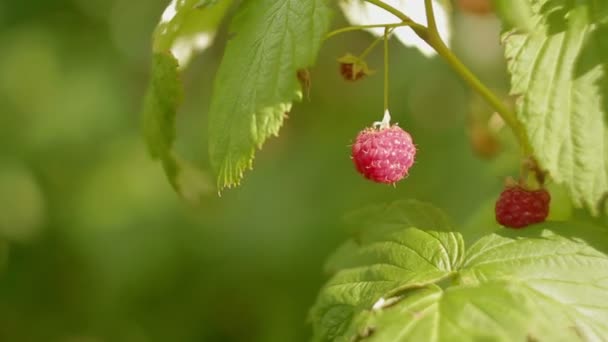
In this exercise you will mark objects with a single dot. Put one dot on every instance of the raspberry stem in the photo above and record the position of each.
(386, 84)
(371, 47)
(363, 27)
(430, 35)
(430, 17)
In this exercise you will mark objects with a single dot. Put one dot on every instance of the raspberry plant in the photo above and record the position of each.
(409, 274)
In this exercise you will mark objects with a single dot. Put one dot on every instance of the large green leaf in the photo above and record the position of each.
(186, 26)
(560, 73)
(492, 311)
(408, 259)
(548, 283)
(396, 216)
(256, 82)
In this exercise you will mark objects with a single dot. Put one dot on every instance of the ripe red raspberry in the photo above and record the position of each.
(517, 207)
(383, 155)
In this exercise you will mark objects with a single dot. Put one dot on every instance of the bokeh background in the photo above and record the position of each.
(94, 244)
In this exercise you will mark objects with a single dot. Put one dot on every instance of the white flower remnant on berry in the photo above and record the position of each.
(358, 12)
(386, 121)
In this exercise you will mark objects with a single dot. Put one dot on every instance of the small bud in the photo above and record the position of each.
(353, 68)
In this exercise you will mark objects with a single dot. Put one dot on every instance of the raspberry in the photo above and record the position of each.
(518, 207)
(383, 155)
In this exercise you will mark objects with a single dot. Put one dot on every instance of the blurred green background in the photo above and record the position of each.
(94, 244)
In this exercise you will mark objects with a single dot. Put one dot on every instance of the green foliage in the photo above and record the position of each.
(256, 82)
(184, 20)
(516, 14)
(160, 106)
(186, 26)
(559, 70)
(421, 285)
(365, 227)
(95, 247)
(164, 96)
(406, 275)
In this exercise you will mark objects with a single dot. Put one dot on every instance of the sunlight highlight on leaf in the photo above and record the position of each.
(358, 12)
(184, 47)
(169, 13)
(187, 27)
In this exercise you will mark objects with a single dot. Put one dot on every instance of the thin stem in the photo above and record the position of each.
(386, 68)
(483, 91)
(369, 48)
(505, 113)
(419, 29)
(375, 42)
(363, 27)
(430, 16)
(431, 36)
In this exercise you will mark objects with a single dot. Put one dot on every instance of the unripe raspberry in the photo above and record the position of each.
(383, 155)
(352, 68)
(517, 207)
(347, 70)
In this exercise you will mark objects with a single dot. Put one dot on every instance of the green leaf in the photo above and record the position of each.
(559, 71)
(189, 26)
(186, 26)
(564, 273)
(479, 313)
(516, 14)
(396, 216)
(256, 82)
(411, 258)
(549, 282)
(378, 263)
(162, 100)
